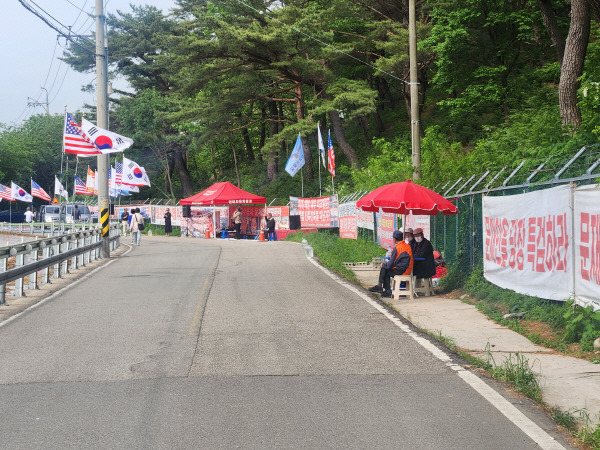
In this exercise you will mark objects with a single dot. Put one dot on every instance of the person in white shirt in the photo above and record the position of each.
(28, 215)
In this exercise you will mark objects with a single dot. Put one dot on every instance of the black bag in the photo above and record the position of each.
(139, 224)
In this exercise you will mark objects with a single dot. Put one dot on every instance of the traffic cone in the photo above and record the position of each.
(207, 236)
(262, 236)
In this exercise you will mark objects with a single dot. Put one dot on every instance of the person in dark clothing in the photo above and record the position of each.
(168, 227)
(76, 214)
(400, 263)
(237, 220)
(270, 225)
(424, 268)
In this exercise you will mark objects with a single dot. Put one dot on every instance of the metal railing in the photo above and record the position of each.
(62, 253)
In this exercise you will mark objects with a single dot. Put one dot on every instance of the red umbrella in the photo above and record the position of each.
(405, 197)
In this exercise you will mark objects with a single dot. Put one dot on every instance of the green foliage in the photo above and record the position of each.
(582, 325)
(516, 371)
(333, 251)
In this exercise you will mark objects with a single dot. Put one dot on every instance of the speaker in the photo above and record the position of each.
(112, 209)
(294, 222)
(186, 211)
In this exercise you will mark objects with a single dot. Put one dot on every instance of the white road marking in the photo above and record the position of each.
(520, 420)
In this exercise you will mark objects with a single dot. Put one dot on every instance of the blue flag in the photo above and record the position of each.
(296, 159)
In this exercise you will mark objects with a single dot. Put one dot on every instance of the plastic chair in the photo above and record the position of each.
(408, 292)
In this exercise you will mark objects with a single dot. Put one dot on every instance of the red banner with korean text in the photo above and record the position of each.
(347, 214)
(587, 246)
(527, 242)
(386, 224)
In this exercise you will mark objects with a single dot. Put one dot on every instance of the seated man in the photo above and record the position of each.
(423, 254)
(400, 263)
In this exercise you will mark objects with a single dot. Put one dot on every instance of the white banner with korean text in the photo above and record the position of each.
(587, 246)
(527, 245)
(347, 217)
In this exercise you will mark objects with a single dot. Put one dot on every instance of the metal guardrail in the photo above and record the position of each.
(80, 247)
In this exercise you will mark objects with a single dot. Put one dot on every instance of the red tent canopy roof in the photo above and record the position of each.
(223, 193)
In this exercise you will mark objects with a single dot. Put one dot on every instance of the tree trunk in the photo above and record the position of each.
(378, 121)
(364, 126)
(235, 162)
(248, 143)
(305, 147)
(554, 32)
(273, 129)
(169, 171)
(263, 131)
(182, 171)
(340, 137)
(572, 66)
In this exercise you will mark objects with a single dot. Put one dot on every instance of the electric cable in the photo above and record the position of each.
(262, 13)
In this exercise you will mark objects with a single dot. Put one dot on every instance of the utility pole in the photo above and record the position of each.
(34, 103)
(415, 127)
(102, 122)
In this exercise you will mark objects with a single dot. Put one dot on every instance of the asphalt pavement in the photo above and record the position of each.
(196, 343)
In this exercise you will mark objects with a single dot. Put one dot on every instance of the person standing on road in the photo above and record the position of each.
(28, 215)
(124, 221)
(400, 263)
(168, 227)
(237, 220)
(269, 225)
(76, 214)
(136, 220)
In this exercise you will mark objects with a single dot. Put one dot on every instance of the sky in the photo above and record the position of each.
(30, 51)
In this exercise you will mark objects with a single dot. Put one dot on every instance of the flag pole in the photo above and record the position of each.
(62, 154)
(302, 180)
(319, 159)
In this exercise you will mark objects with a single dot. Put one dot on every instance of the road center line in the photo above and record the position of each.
(520, 420)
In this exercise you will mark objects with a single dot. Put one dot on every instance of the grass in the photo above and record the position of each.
(159, 230)
(333, 251)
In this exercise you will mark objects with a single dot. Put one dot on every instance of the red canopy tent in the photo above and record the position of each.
(223, 193)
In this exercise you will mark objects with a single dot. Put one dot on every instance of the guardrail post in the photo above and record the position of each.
(18, 292)
(56, 251)
(64, 246)
(33, 277)
(73, 244)
(46, 271)
(3, 285)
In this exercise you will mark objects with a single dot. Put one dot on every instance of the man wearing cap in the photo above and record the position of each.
(400, 263)
(409, 238)
(423, 250)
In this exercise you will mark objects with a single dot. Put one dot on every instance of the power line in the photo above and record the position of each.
(262, 13)
(67, 35)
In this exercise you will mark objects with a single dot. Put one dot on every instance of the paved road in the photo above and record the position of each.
(187, 343)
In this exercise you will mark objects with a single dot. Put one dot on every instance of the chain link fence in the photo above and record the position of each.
(460, 237)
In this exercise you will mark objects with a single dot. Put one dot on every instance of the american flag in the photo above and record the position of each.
(75, 141)
(80, 187)
(37, 191)
(6, 193)
(330, 155)
(119, 169)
